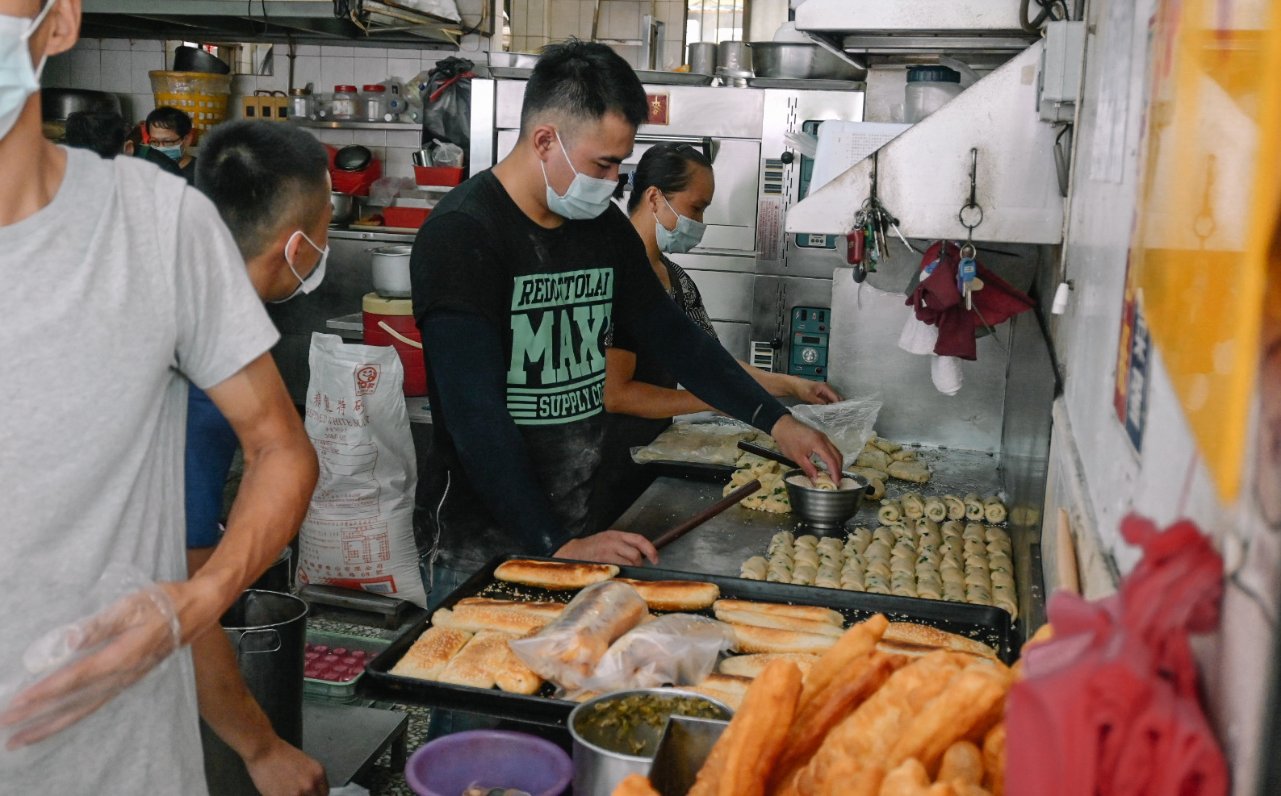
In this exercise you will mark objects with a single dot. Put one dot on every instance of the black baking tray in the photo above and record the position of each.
(691, 471)
(987, 624)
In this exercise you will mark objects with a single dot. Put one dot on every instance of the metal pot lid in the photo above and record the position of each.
(394, 250)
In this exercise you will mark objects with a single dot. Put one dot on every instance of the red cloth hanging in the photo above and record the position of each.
(938, 302)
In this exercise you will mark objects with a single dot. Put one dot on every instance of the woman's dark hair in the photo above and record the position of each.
(666, 167)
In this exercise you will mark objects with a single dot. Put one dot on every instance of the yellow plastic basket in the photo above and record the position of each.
(204, 96)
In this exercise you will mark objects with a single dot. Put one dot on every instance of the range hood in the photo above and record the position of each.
(911, 31)
(332, 21)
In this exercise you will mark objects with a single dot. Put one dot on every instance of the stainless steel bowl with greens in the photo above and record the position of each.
(618, 734)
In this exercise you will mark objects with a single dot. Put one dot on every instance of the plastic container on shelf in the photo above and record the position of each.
(928, 89)
(302, 105)
(344, 103)
(373, 102)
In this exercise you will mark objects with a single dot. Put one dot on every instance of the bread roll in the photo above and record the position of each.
(910, 633)
(567, 650)
(812, 612)
(675, 595)
(781, 622)
(753, 665)
(767, 639)
(517, 619)
(478, 662)
(429, 654)
(553, 575)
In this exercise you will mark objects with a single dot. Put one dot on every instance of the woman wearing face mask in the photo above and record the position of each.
(671, 189)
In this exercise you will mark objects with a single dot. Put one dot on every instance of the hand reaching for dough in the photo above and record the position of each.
(798, 441)
(610, 547)
(812, 392)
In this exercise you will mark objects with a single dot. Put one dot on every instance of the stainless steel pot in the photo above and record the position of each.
(268, 632)
(56, 104)
(801, 61)
(702, 58)
(735, 58)
(391, 271)
(344, 207)
(598, 769)
(825, 511)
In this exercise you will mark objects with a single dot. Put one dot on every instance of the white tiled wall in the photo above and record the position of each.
(536, 22)
(121, 66)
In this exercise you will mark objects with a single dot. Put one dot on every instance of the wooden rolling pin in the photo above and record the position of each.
(676, 532)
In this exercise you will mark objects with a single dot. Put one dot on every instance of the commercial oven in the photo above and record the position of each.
(750, 274)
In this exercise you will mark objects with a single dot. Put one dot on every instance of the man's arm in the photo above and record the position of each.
(276, 768)
(627, 395)
(279, 477)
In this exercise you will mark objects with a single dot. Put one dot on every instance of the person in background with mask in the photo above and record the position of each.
(671, 188)
(517, 276)
(270, 183)
(135, 148)
(139, 290)
(169, 133)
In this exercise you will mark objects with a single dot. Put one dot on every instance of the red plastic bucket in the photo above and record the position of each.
(390, 321)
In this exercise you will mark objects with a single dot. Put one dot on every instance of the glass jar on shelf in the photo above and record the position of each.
(302, 105)
(373, 102)
(343, 105)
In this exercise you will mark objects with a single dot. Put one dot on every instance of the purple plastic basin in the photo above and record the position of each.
(489, 759)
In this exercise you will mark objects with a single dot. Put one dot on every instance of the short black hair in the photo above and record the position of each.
(262, 176)
(667, 168)
(169, 118)
(583, 81)
(100, 131)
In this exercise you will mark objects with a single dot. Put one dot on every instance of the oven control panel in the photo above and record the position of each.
(810, 329)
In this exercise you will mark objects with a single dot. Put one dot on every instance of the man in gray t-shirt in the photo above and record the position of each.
(118, 281)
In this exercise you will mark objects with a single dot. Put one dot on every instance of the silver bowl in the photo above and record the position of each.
(513, 60)
(825, 509)
(598, 768)
(801, 62)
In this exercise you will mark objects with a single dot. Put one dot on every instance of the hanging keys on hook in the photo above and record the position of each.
(966, 271)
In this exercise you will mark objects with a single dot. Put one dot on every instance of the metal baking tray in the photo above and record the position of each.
(691, 471)
(673, 78)
(987, 624)
(329, 690)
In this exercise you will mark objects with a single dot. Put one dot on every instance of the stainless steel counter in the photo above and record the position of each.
(723, 543)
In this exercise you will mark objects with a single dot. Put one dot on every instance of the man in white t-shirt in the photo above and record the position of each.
(119, 281)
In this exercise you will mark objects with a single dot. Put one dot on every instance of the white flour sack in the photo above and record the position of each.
(359, 529)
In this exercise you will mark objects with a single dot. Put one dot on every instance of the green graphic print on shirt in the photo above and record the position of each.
(558, 323)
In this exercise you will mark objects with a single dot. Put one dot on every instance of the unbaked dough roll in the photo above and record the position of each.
(913, 505)
(935, 509)
(955, 507)
(890, 512)
(754, 568)
(994, 509)
(973, 508)
(807, 540)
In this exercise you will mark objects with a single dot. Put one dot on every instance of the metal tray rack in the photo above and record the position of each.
(990, 625)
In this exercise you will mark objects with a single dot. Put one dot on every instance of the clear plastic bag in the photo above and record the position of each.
(847, 423)
(676, 649)
(566, 651)
(446, 154)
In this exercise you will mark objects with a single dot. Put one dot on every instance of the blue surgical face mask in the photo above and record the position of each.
(18, 78)
(313, 279)
(686, 236)
(586, 198)
(173, 152)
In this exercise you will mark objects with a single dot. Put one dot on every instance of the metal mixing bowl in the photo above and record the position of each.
(823, 508)
(801, 61)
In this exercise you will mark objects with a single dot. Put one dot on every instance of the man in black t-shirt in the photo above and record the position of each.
(517, 276)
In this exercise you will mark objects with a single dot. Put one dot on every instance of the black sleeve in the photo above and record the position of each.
(465, 359)
(650, 321)
(455, 267)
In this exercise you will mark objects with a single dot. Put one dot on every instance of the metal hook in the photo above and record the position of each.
(972, 206)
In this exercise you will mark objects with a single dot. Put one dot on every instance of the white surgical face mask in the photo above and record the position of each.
(313, 279)
(18, 78)
(687, 235)
(586, 198)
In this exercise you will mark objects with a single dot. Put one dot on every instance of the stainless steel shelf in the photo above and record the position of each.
(343, 124)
